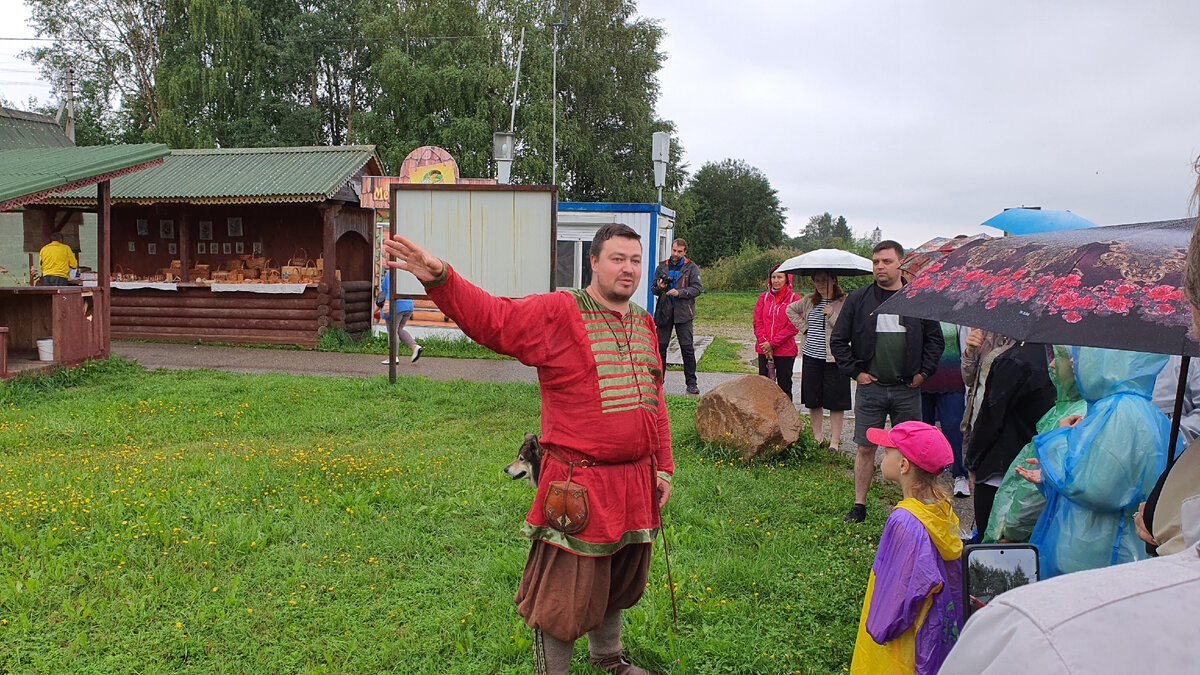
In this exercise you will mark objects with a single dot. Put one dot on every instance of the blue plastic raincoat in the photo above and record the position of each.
(1096, 473)
(1019, 503)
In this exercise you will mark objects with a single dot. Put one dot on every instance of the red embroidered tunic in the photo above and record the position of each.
(601, 400)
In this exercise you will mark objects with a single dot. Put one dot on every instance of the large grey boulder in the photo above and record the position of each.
(750, 414)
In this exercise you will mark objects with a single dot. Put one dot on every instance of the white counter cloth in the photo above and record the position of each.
(259, 288)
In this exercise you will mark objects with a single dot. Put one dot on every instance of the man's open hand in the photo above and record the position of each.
(410, 257)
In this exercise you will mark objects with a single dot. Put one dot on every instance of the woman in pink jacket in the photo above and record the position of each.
(774, 333)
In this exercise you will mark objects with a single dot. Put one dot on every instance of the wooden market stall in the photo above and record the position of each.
(71, 323)
(243, 245)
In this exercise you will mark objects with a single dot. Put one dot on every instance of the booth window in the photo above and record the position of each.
(572, 268)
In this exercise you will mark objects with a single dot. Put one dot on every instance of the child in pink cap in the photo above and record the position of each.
(913, 608)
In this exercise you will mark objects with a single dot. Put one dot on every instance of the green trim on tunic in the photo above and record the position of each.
(631, 382)
(441, 279)
(587, 548)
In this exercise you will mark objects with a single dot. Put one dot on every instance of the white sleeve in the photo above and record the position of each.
(1164, 396)
(999, 640)
(1165, 384)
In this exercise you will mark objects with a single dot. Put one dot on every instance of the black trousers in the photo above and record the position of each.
(683, 331)
(783, 371)
(984, 496)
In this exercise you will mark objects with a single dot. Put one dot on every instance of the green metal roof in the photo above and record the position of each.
(27, 176)
(240, 175)
(19, 129)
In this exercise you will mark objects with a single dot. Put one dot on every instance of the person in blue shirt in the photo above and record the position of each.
(404, 311)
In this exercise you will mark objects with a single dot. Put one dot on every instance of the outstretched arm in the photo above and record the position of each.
(504, 325)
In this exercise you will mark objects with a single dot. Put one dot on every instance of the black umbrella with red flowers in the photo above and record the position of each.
(1119, 287)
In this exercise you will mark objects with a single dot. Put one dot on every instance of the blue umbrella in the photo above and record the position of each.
(1036, 221)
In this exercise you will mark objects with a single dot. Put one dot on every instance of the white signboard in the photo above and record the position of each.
(500, 237)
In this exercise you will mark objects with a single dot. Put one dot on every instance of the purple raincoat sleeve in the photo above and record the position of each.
(906, 572)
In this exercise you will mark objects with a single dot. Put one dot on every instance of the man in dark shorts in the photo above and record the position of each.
(889, 356)
(604, 426)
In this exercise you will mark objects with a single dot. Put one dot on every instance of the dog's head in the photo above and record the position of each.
(528, 464)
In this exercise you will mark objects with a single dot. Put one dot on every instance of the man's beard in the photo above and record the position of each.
(614, 295)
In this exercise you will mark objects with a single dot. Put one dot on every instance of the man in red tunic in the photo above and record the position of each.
(604, 426)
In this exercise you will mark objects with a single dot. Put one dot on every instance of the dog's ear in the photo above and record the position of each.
(530, 437)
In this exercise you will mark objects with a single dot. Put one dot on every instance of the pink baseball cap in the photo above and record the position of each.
(923, 444)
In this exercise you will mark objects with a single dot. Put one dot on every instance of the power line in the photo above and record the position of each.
(393, 39)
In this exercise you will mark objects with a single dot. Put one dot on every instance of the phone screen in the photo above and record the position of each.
(991, 569)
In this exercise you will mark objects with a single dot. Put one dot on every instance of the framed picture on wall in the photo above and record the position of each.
(239, 247)
(201, 248)
(152, 248)
(235, 227)
(133, 246)
(206, 230)
(227, 248)
(256, 248)
(166, 229)
(212, 248)
(143, 227)
(172, 249)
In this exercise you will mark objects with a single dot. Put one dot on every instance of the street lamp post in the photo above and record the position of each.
(661, 154)
(502, 152)
(554, 101)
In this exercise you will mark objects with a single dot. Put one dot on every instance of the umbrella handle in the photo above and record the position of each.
(1180, 390)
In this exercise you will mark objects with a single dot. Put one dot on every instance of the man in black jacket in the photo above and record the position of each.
(676, 285)
(888, 355)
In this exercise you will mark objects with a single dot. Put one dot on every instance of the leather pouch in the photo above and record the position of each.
(566, 507)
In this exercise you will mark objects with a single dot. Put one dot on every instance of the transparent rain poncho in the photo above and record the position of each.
(1018, 503)
(1096, 473)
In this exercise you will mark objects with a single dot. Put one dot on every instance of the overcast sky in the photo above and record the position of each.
(923, 118)
(927, 118)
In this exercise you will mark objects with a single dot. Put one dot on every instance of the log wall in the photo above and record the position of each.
(353, 308)
(196, 313)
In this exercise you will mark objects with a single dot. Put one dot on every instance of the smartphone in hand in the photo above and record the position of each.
(991, 569)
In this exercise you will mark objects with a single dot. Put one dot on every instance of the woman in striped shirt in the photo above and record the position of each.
(822, 387)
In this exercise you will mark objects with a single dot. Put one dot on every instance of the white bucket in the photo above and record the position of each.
(45, 349)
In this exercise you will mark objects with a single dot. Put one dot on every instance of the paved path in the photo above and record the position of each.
(173, 356)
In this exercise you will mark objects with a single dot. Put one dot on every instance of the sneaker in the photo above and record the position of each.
(858, 513)
(416, 353)
(961, 487)
(693, 390)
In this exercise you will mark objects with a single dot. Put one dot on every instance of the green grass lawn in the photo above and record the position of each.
(729, 309)
(726, 309)
(200, 521)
